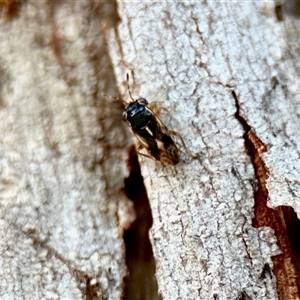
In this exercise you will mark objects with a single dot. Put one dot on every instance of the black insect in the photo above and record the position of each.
(152, 134)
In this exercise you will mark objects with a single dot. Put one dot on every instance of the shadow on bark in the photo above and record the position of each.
(140, 284)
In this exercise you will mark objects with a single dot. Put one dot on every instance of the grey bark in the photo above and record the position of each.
(64, 147)
(63, 156)
(189, 57)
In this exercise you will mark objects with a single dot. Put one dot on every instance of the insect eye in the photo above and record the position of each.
(142, 101)
(125, 116)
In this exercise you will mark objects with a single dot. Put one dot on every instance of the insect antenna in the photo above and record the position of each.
(109, 96)
(128, 87)
(129, 92)
(115, 98)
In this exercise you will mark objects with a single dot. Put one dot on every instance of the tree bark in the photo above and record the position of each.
(229, 75)
(63, 155)
(225, 223)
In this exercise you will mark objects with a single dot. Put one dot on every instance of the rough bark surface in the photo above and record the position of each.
(190, 57)
(63, 155)
(64, 149)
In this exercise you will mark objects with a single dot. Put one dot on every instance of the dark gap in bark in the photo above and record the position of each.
(92, 288)
(140, 283)
(292, 224)
(278, 9)
(283, 220)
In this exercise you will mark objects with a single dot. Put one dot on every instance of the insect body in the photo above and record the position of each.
(151, 133)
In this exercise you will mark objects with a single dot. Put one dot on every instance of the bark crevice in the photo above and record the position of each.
(283, 220)
(140, 282)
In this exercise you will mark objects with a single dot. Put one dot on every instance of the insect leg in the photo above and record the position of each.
(157, 109)
(140, 147)
(146, 155)
(183, 143)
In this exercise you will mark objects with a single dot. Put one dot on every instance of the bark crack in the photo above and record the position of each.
(140, 282)
(283, 220)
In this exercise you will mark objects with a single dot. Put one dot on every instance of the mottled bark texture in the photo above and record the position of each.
(63, 152)
(225, 223)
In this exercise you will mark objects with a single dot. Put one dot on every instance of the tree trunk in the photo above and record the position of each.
(63, 156)
(224, 225)
(228, 74)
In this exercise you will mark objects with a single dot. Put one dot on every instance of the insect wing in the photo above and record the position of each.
(156, 139)
(170, 154)
(147, 137)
